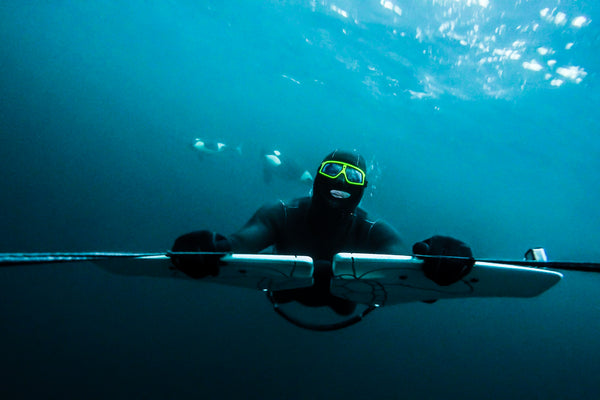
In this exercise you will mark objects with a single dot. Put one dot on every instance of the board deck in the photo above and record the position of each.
(392, 279)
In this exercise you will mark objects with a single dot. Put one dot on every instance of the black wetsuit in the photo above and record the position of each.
(298, 227)
(295, 227)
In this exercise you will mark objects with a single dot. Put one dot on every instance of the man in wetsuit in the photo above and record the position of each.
(320, 226)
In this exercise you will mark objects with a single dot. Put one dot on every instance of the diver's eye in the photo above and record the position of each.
(332, 169)
(354, 175)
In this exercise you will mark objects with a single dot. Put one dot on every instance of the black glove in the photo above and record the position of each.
(444, 271)
(201, 265)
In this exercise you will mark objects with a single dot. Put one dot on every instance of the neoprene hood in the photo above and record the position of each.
(323, 186)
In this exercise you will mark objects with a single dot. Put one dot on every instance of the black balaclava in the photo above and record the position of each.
(326, 201)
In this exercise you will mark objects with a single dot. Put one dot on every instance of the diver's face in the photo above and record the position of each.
(337, 193)
(340, 190)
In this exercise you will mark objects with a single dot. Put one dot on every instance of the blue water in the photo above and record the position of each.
(480, 119)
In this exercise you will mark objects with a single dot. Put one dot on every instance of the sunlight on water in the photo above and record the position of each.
(486, 40)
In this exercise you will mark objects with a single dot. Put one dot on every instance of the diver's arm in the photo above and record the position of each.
(384, 239)
(260, 231)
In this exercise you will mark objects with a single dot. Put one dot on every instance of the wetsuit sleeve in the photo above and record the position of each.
(260, 231)
(384, 239)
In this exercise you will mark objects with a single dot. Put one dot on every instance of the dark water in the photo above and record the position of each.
(480, 117)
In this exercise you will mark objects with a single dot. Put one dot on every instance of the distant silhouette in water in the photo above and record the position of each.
(275, 164)
(207, 147)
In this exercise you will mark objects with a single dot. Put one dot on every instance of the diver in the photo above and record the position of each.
(276, 164)
(210, 147)
(320, 226)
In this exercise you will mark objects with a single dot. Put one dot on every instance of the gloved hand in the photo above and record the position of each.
(201, 265)
(444, 271)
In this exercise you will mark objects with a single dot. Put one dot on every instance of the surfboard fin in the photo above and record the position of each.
(536, 254)
(306, 177)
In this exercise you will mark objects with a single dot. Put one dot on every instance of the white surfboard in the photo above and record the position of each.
(391, 279)
(372, 279)
(254, 271)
